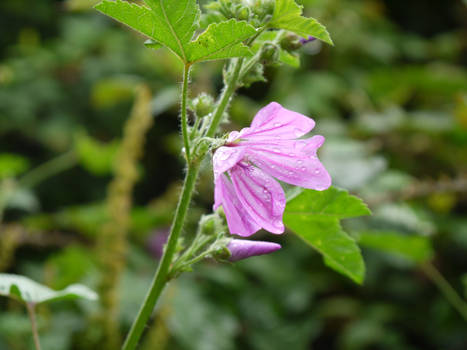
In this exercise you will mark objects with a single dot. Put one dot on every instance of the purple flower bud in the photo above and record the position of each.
(307, 40)
(241, 249)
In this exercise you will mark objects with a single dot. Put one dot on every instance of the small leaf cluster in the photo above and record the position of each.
(257, 12)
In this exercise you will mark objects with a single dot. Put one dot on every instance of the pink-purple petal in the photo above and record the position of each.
(275, 121)
(292, 161)
(261, 195)
(225, 158)
(241, 249)
(239, 220)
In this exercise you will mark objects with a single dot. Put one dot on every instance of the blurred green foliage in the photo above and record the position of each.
(391, 99)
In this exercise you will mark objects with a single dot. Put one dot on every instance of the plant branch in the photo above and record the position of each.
(186, 141)
(448, 291)
(225, 97)
(32, 316)
(161, 276)
(48, 169)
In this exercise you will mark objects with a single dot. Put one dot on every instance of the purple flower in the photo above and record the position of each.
(304, 41)
(241, 249)
(245, 168)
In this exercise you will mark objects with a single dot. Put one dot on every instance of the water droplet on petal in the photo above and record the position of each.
(317, 171)
(277, 124)
(298, 132)
(302, 168)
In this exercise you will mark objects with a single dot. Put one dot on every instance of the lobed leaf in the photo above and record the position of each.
(29, 291)
(314, 216)
(416, 249)
(288, 15)
(221, 40)
(171, 23)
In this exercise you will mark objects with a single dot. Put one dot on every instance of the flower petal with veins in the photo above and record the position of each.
(238, 219)
(268, 149)
(261, 195)
(275, 121)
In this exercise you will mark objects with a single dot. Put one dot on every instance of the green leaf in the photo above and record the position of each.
(416, 249)
(29, 291)
(288, 15)
(171, 23)
(314, 216)
(221, 40)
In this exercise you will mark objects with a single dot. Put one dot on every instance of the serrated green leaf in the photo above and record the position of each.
(137, 17)
(288, 15)
(314, 216)
(171, 23)
(416, 249)
(29, 291)
(221, 40)
(332, 202)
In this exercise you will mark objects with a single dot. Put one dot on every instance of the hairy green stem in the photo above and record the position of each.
(160, 279)
(186, 141)
(162, 274)
(32, 316)
(225, 98)
(449, 293)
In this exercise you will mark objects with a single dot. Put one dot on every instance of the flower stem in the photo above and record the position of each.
(160, 279)
(32, 316)
(161, 276)
(186, 142)
(225, 98)
(449, 293)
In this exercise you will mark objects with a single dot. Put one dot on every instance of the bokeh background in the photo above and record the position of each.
(391, 99)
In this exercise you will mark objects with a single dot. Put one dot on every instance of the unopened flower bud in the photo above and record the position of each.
(241, 248)
(291, 42)
(203, 104)
(243, 14)
(269, 53)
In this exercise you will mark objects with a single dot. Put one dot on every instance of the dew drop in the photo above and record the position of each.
(277, 124)
(298, 132)
(302, 168)
(317, 171)
(299, 162)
